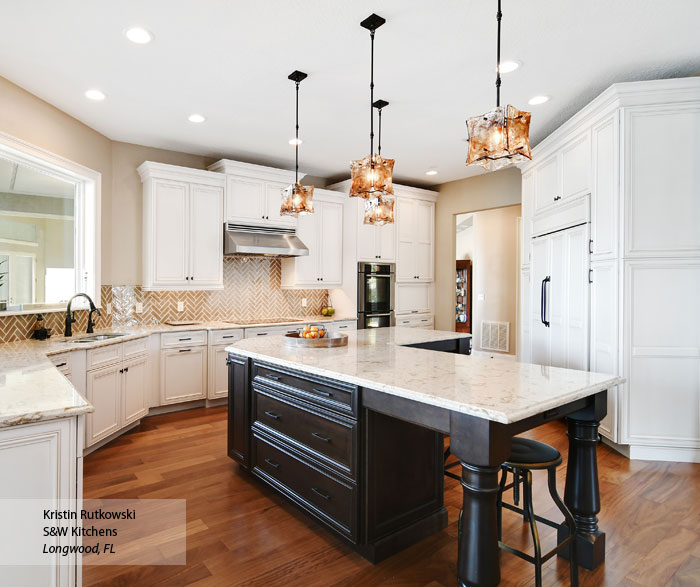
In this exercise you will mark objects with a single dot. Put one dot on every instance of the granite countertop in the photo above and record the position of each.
(495, 389)
(33, 390)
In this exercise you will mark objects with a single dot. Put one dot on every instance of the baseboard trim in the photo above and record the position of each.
(623, 449)
(664, 453)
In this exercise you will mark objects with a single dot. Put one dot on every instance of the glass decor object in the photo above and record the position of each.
(499, 138)
(379, 210)
(371, 177)
(297, 199)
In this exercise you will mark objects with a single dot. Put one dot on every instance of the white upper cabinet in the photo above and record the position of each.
(547, 183)
(375, 243)
(605, 194)
(528, 193)
(415, 222)
(254, 193)
(322, 233)
(182, 227)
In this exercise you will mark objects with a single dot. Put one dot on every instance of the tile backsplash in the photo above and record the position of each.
(252, 290)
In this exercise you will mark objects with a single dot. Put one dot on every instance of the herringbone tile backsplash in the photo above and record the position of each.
(252, 290)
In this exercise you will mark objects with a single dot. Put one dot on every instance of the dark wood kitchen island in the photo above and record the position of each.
(354, 435)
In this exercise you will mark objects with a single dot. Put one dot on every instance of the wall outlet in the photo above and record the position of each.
(180, 306)
(109, 309)
(139, 308)
(304, 303)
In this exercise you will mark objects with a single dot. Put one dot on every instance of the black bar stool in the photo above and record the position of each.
(526, 456)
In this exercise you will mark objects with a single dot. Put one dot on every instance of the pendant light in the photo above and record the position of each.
(297, 199)
(380, 208)
(499, 137)
(371, 175)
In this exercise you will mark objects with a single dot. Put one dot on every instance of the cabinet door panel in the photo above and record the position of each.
(103, 392)
(218, 372)
(413, 298)
(135, 384)
(331, 243)
(245, 200)
(539, 333)
(547, 185)
(183, 374)
(386, 238)
(557, 302)
(273, 196)
(238, 411)
(425, 227)
(604, 216)
(406, 269)
(577, 298)
(528, 191)
(307, 267)
(576, 167)
(367, 241)
(170, 233)
(206, 235)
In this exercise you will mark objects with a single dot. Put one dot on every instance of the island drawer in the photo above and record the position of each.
(329, 499)
(324, 392)
(325, 436)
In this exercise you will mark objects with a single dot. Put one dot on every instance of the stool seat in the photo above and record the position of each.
(531, 454)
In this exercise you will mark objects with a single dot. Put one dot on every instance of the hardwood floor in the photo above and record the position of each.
(241, 533)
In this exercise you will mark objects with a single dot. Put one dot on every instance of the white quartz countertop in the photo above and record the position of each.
(33, 390)
(500, 390)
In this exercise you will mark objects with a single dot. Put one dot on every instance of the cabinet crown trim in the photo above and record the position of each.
(400, 191)
(152, 170)
(252, 171)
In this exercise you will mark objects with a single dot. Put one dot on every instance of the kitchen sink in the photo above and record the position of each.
(100, 337)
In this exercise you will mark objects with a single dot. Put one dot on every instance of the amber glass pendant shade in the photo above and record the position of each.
(379, 210)
(498, 138)
(369, 181)
(297, 199)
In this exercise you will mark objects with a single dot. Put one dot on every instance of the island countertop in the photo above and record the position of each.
(501, 390)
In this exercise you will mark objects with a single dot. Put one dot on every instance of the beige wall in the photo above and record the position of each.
(126, 211)
(483, 192)
(29, 118)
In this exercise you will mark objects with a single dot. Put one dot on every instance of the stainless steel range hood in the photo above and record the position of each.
(243, 239)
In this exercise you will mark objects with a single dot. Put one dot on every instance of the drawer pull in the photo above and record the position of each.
(321, 392)
(341, 327)
(188, 338)
(273, 415)
(273, 377)
(323, 494)
(320, 437)
(261, 333)
(184, 350)
(229, 336)
(272, 463)
(61, 364)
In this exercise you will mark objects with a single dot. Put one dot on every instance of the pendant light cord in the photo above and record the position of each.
(379, 146)
(371, 101)
(499, 14)
(296, 144)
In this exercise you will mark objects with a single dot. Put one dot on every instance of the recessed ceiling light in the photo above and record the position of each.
(538, 100)
(139, 35)
(96, 95)
(431, 172)
(295, 141)
(509, 66)
(196, 118)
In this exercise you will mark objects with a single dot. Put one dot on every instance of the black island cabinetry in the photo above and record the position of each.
(365, 475)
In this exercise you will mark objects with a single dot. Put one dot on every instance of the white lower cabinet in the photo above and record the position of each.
(134, 384)
(183, 374)
(218, 372)
(413, 298)
(103, 392)
(342, 326)
(425, 321)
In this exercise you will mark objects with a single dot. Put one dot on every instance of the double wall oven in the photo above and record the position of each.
(375, 295)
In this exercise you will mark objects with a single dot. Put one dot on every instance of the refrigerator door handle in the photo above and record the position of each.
(543, 301)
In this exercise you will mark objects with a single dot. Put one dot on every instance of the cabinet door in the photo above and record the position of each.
(183, 374)
(576, 167)
(577, 298)
(103, 392)
(386, 242)
(206, 236)
(525, 312)
(367, 236)
(547, 184)
(414, 298)
(331, 243)
(134, 386)
(539, 288)
(245, 200)
(218, 372)
(307, 269)
(406, 265)
(238, 410)
(273, 202)
(605, 193)
(557, 302)
(170, 233)
(424, 215)
(528, 194)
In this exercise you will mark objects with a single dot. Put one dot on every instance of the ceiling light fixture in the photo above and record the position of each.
(379, 209)
(501, 136)
(196, 118)
(431, 172)
(372, 175)
(297, 199)
(508, 66)
(95, 95)
(139, 35)
(536, 100)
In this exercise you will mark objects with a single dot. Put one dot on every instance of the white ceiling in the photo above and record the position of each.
(229, 60)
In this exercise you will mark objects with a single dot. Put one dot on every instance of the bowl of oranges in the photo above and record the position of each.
(316, 336)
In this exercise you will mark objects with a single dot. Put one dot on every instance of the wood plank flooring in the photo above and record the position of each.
(241, 533)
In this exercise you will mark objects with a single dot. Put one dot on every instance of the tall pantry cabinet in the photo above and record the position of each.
(643, 316)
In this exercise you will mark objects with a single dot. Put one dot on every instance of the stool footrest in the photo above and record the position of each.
(522, 512)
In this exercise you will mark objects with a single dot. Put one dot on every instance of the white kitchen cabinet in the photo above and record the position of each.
(419, 320)
(322, 233)
(245, 200)
(43, 461)
(271, 330)
(104, 393)
(415, 221)
(134, 383)
(413, 298)
(342, 325)
(273, 203)
(547, 183)
(528, 193)
(605, 221)
(218, 369)
(375, 243)
(182, 227)
(183, 374)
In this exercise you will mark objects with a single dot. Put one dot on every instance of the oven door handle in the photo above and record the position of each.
(377, 315)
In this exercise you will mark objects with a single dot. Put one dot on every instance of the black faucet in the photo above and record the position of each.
(70, 316)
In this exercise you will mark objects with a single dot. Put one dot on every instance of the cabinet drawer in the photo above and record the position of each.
(225, 336)
(176, 339)
(343, 325)
(134, 348)
(329, 499)
(103, 356)
(330, 394)
(330, 438)
(62, 362)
